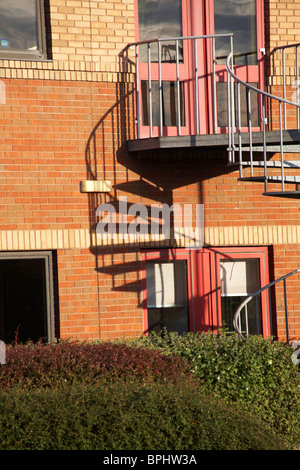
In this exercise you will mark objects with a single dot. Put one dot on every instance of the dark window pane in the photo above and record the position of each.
(23, 313)
(251, 321)
(223, 107)
(160, 19)
(169, 103)
(239, 279)
(18, 26)
(238, 17)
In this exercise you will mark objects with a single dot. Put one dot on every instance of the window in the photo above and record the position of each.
(26, 296)
(167, 296)
(168, 291)
(240, 273)
(239, 279)
(200, 290)
(238, 18)
(22, 29)
(157, 19)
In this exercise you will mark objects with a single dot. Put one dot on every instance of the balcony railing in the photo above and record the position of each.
(189, 61)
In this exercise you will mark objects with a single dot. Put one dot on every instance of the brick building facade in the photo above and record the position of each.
(68, 124)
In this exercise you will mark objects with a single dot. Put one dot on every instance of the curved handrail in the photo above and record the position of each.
(282, 102)
(257, 90)
(252, 296)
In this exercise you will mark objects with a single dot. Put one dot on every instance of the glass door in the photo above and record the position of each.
(166, 95)
(182, 90)
(243, 18)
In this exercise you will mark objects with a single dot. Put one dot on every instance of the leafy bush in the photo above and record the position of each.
(257, 373)
(53, 365)
(126, 416)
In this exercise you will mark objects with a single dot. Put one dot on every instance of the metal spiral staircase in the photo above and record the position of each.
(252, 149)
(252, 152)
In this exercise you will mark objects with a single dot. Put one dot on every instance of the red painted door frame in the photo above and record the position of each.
(198, 19)
(260, 253)
(249, 73)
(204, 285)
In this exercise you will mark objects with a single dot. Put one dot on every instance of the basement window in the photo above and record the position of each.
(22, 30)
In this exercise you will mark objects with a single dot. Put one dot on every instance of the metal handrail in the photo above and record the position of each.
(231, 126)
(176, 60)
(236, 317)
(283, 49)
(261, 92)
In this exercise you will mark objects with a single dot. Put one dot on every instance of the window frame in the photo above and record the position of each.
(168, 255)
(198, 19)
(238, 253)
(41, 52)
(204, 283)
(47, 256)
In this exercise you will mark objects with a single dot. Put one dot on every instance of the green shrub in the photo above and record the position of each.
(54, 365)
(256, 372)
(126, 416)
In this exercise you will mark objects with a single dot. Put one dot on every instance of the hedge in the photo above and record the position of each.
(127, 416)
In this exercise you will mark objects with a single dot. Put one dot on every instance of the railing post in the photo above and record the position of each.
(297, 85)
(239, 129)
(160, 90)
(250, 131)
(286, 313)
(281, 147)
(178, 91)
(214, 85)
(232, 99)
(150, 88)
(264, 141)
(196, 86)
(284, 86)
(137, 86)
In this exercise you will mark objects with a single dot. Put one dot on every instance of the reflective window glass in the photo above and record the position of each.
(20, 28)
(169, 103)
(160, 19)
(238, 17)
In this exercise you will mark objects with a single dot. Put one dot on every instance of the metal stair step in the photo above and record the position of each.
(288, 194)
(286, 179)
(273, 179)
(295, 164)
(288, 148)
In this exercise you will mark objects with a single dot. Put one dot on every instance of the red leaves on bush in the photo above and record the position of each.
(41, 365)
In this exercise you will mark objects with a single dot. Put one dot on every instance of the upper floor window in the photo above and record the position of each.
(157, 19)
(22, 29)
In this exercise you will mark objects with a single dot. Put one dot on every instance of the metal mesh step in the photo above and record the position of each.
(273, 179)
(295, 164)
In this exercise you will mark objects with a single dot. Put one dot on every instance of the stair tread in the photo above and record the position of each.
(287, 148)
(291, 194)
(277, 179)
(295, 164)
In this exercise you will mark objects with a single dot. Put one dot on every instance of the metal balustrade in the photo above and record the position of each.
(191, 75)
(242, 309)
(243, 142)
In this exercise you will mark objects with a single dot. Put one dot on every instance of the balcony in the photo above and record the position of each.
(187, 97)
